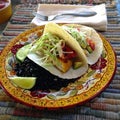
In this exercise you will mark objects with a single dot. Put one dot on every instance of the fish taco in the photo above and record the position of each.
(88, 39)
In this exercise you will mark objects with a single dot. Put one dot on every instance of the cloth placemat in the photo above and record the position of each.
(106, 106)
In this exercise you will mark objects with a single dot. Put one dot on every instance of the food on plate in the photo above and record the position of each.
(88, 39)
(57, 52)
(44, 79)
(56, 58)
(22, 53)
(23, 82)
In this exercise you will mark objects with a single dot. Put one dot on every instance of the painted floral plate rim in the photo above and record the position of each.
(87, 87)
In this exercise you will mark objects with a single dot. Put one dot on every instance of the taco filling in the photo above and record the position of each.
(52, 50)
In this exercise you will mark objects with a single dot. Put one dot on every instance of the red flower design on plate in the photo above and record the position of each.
(100, 64)
(15, 48)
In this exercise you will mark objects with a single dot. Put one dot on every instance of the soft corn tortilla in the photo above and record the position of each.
(91, 33)
(71, 73)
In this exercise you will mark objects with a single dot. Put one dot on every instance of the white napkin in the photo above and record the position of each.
(99, 21)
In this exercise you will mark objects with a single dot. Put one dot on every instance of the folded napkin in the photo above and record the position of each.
(99, 21)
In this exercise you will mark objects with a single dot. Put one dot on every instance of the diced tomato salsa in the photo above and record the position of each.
(91, 44)
(69, 53)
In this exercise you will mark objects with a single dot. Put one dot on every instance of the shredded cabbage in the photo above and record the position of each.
(78, 35)
(49, 47)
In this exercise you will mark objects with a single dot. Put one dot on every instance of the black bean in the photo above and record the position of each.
(45, 80)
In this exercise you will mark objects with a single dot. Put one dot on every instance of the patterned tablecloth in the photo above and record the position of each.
(106, 106)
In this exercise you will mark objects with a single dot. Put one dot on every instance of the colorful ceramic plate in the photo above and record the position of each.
(87, 87)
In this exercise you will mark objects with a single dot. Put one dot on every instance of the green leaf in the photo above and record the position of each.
(91, 73)
(73, 92)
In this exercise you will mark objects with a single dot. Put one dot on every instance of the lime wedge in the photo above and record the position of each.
(22, 52)
(23, 82)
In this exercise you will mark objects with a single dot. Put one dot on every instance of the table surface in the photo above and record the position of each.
(105, 106)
